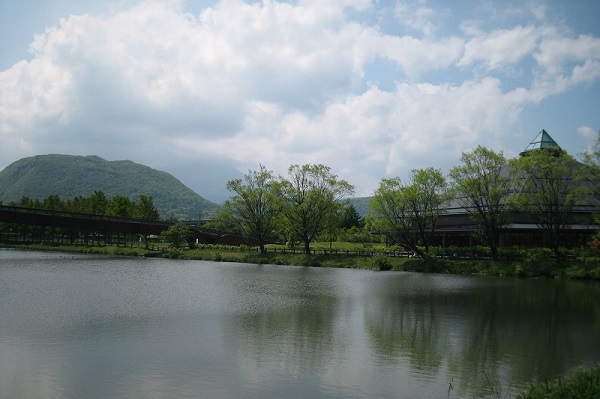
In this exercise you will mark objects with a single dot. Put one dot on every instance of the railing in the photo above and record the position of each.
(90, 216)
(348, 252)
(313, 251)
(156, 248)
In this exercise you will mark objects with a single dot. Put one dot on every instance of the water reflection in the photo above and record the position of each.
(489, 333)
(282, 349)
(136, 328)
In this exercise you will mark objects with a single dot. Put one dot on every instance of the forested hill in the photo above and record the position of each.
(69, 176)
(361, 204)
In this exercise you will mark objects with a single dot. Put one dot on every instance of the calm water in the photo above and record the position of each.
(75, 326)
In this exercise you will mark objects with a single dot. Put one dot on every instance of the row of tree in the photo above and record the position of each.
(546, 185)
(298, 208)
(309, 202)
(98, 204)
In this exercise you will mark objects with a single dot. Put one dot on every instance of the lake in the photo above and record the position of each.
(79, 326)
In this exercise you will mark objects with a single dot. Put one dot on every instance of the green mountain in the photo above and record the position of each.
(361, 204)
(69, 176)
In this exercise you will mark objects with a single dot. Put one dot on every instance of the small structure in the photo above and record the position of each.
(542, 141)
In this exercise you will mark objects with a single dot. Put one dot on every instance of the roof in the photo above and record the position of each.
(542, 141)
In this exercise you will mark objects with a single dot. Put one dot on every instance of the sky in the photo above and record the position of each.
(207, 90)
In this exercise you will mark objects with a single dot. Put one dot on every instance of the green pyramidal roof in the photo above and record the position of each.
(542, 141)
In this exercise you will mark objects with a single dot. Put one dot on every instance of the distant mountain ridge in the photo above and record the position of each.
(68, 176)
(361, 204)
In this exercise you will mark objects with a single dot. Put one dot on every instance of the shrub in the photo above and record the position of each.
(382, 263)
(583, 384)
(279, 260)
(536, 254)
(509, 253)
(519, 270)
(309, 260)
(481, 251)
(174, 253)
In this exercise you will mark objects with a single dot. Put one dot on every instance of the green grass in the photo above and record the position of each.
(582, 384)
(339, 246)
(87, 249)
(580, 268)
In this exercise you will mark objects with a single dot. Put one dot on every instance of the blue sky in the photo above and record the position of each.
(206, 90)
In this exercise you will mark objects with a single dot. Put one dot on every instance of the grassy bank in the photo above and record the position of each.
(578, 268)
(583, 384)
(84, 249)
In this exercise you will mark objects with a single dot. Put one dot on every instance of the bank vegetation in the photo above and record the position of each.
(583, 264)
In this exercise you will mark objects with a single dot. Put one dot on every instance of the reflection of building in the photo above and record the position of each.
(455, 226)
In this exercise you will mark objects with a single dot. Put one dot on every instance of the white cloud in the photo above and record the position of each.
(557, 52)
(280, 83)
(419, 56)
(589, 134)
(500, 47)
(418, 18)
(376, 133)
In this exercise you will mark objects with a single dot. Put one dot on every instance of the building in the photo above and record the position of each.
(456, 228)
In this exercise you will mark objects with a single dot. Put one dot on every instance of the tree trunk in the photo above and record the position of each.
(306, 245)
(495, 239)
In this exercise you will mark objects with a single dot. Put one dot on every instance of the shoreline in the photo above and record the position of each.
(572, 269)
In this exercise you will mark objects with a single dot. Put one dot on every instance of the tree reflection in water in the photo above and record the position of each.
(490, 336)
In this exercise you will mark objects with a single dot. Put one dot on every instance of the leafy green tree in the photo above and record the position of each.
(547, 187)
(481, 185)
(27, 202)
(145, 209)
(343, 224)
(120, 205)
(311, 194)
(334, 221)
(591, 176)
(98, 203)
(177, 235)
(255, 205)
(357, 234)
(223, 222)
(53, 203)
(78, 204)
(408, 213)
(351, 218)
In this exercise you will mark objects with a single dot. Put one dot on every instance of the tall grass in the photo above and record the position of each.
(582, 384)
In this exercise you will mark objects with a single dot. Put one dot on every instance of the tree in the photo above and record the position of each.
(482, 186)
(98, 203)
(311, 194)
(591, 173)
(178, 235)
(409, 212)
(547, 187)
(27, 202)
(53, 203)
(79, 204)
(591, 156)
(351, 218)
(255, 205)
(120, 205)
(334, 222)
(145, 209)
(591, 159)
